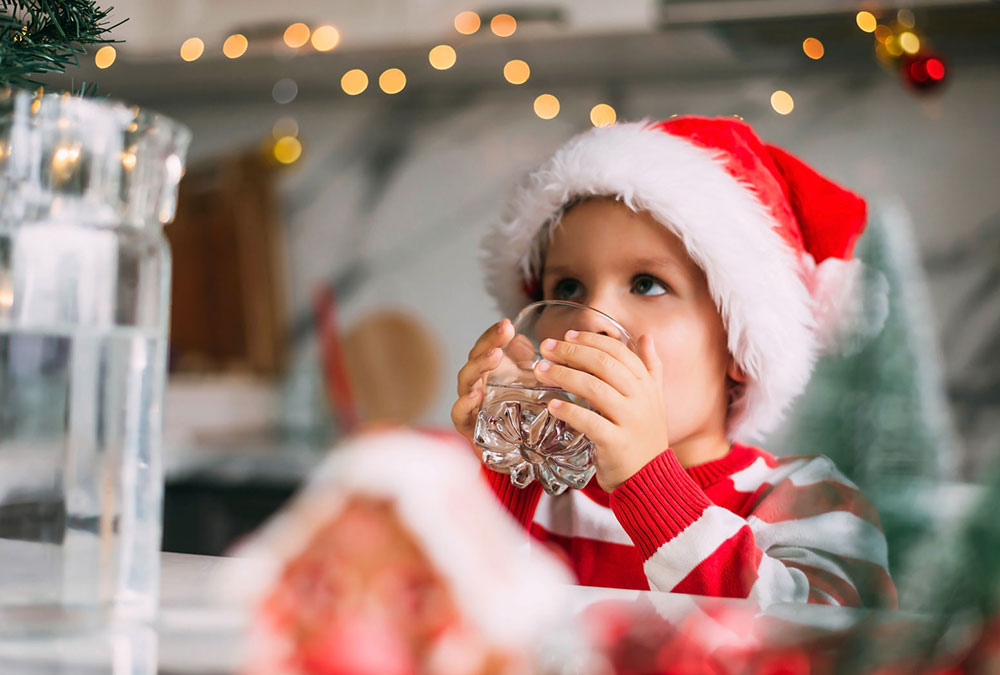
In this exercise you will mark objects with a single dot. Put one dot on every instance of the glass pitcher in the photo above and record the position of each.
(85, 189)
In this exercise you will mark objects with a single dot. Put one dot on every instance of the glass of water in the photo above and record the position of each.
(515, 433)
(85, 188)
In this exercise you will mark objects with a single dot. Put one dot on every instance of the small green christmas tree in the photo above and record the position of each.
(880, 413)
(47, 36)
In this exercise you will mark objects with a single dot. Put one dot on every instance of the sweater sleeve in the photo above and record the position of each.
(811, 537)
(519, 502)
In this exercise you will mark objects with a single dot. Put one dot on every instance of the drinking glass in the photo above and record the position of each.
(515, 433)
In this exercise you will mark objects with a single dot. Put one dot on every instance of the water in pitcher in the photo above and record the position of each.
(80, 475)
(516, 435)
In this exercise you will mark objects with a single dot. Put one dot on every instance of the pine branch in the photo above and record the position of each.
(47, 36)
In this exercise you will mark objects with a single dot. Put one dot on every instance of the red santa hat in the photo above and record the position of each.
(774, 237)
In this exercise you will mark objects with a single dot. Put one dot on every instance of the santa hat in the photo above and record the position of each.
(774, 237)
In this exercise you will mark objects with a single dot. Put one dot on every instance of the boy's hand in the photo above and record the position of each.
(628, 423)
(484, 357)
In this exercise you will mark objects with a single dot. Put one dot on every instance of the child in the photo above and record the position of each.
(730, 260)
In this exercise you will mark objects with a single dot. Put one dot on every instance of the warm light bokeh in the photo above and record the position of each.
(354, 81)
(105, 56)
(296, 35)
(813, 48)
(603, 115)
(392, 81)
(192, 49)
(503, 25)
(325, 38)
(467, 23)
(516, 71)
(235, 46)
(546, 106)
(782, 102)
(442, 57)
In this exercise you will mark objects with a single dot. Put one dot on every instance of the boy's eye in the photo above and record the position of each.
(567, 289)
(647, 285)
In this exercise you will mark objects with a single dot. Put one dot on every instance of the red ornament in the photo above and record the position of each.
(923, 71)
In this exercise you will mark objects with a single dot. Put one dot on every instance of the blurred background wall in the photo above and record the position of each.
(382, 198)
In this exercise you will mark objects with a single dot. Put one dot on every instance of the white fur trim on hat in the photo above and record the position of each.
(755, 277)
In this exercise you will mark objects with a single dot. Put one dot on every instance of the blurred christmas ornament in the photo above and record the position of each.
(923, 71)
(900, 46)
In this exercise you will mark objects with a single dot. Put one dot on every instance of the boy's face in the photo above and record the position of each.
(634, 269)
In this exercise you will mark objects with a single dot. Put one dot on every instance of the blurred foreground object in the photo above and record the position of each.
(85, 189)
(397, 559)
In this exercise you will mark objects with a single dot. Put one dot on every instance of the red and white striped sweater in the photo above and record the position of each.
(790, 529)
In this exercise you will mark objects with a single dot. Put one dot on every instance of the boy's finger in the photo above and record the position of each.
(595, 427)
(463, 412)
(496, 335)
(473, 371)
(599, 363)
(600, 395)
(611, 345)
(649, 355)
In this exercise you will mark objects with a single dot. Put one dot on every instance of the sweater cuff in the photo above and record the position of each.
(658, 503)
(519, 502)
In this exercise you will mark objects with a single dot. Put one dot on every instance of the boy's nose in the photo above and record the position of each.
(596, 323)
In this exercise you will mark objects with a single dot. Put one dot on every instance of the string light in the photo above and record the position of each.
(866, 21)
(296, 35)
(603, 115)
(467, 23)
(235, 46)
(813, 48)
(284, 90)
(192, 49)
(782, 102)
(883, 33)
(286, 126)
(287, 149)
(392, 81)
(546, 106)
(905, 18)
(516, 71)
(105, 56)
(325, 38)
(503, 25)
(909, 42)
(442, 57)
(354, 81)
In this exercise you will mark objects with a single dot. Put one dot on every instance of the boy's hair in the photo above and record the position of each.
(774, 239)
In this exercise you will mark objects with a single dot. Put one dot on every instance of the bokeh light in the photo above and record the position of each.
(192, 49)
(235, 46)
(546, 106)
(392, 81)
(909, 42)
(354, 81)
(467, 23)
(866, 21)
(284, 90)
(442, 57)
(516, 71)
(603, 115)
(813, 48)
(296, 35)
(286, 126)
(105, 56)
(782, 102)
(325, 38)
(287, 149)
(503, 25)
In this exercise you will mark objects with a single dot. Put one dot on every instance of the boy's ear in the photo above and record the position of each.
(734, 371)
